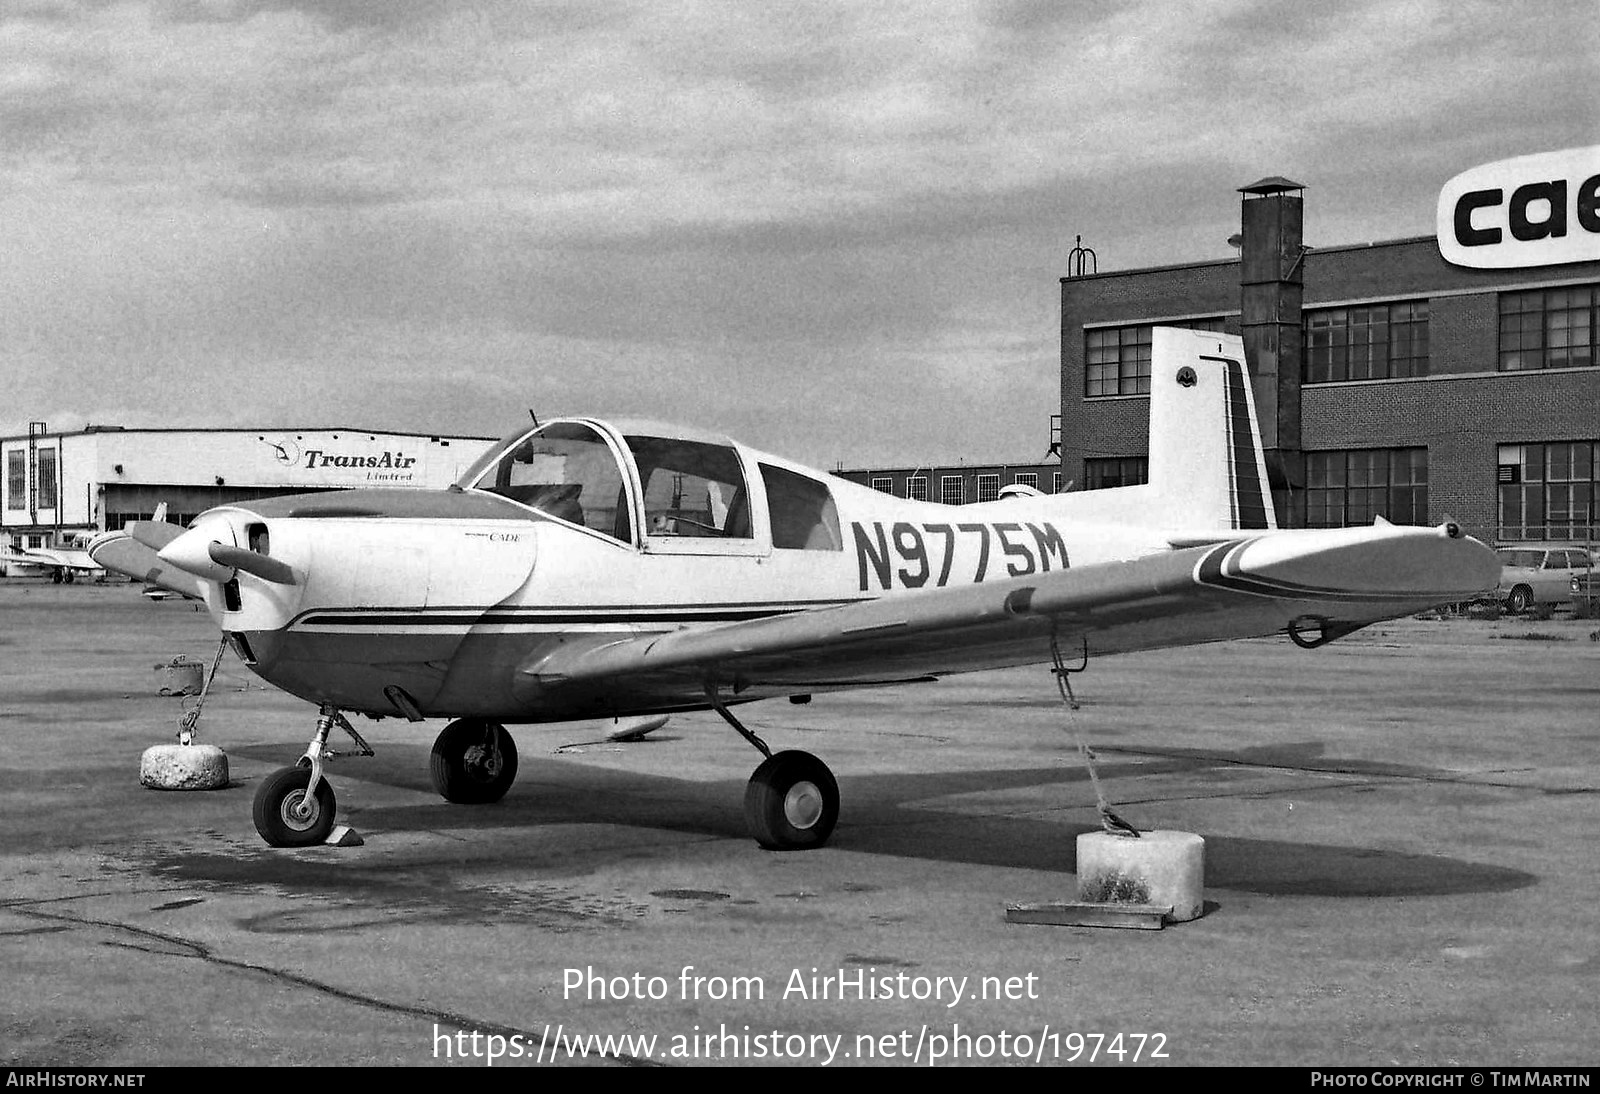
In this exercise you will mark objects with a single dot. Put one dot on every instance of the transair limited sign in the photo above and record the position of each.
(1539, 210)
(353, 462)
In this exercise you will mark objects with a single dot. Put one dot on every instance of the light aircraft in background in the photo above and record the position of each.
(63, 564)
(582, 569)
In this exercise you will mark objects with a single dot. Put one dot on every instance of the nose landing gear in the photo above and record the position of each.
(295, 806)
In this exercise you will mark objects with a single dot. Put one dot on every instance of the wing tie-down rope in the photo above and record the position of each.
(1109, 820)
(190, 718)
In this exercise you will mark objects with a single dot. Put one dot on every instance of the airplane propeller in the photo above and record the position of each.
(251, 562)
(197, 552)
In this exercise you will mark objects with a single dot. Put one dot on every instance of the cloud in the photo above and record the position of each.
(839, 226)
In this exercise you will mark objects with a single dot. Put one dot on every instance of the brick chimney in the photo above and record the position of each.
(1271, 257)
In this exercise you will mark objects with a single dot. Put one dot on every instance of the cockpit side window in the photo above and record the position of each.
(803, 514)
(691, 489)
(565, 470)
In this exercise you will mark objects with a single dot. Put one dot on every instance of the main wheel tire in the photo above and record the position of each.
(278, 802)
(1520, 600)
(474, 762)
(792, 802)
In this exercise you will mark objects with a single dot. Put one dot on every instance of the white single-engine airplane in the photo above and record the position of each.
(64, 564)
(581, 569)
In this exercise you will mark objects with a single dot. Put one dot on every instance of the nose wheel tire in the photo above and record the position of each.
(474, 762)
(285, 816)
(792, 802)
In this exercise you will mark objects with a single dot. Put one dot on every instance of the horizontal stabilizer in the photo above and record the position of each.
(121, 553)
(154, 534)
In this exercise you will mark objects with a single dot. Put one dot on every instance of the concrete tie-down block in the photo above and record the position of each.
(183, 767)
(1158, 868)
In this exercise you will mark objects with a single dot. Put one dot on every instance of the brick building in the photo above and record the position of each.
(1389, 382)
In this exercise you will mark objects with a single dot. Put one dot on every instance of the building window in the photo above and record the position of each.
(1548, 328)
(1101, 474)
(988, 487)
(883, 484)
(1547, 491)
(1344, 489)
(917, 488)
(1376, 342)
(1117, 359)
(48, 486)
(950, 491)
(16, 479)
(1026, 478)
(1056, 486)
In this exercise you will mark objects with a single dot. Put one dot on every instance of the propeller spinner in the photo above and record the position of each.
(202, 552)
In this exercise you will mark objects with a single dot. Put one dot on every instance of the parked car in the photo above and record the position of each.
(1539, 574)
(1586, 594)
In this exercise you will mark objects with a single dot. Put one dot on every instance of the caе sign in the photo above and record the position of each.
(1539, 210)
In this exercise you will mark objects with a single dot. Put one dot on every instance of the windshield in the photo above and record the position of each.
(565, 470)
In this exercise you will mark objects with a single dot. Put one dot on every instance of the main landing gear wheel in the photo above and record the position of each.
(285, 816)
(792, 802)
(474, 762)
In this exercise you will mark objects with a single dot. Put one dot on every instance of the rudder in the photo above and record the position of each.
(1206, 469)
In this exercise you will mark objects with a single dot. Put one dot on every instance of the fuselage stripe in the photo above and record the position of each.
(371, 618)
(1220, 569)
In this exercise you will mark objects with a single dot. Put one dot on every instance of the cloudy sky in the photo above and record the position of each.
(834, 230)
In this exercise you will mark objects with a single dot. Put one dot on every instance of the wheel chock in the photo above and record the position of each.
(634, 729)
(183, 767)
(344, 836)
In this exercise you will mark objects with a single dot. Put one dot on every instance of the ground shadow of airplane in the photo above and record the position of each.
(899, 815)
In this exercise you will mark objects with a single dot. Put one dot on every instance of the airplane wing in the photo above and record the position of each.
(58, 557)
(40, 556)
(23, 558)
(1316, 585)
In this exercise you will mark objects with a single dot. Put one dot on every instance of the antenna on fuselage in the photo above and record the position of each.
(534, 416)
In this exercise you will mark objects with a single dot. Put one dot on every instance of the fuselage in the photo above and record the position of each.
(412, 602)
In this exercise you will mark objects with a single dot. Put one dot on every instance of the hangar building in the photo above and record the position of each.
(61, 485)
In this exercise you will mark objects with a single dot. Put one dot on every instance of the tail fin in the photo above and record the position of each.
(1207, 469)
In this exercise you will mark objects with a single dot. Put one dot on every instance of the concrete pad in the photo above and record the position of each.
(1391, 828)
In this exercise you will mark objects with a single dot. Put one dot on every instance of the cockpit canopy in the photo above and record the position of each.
(637, 483)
